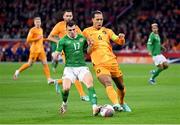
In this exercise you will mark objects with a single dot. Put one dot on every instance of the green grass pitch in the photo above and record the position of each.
(30, 100)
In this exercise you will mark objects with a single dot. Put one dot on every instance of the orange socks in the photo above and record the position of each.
(112, 94)
(46, 71)
(79, 88)
(121, 95)
(59, 81)
(23, 67)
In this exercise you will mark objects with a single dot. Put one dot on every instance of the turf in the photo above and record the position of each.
(30, 100)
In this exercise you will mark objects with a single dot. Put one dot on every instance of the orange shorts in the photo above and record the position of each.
(109, 68)
(34, 56)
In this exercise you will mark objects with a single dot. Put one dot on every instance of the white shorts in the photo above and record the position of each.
(75, 73)
(159, 59)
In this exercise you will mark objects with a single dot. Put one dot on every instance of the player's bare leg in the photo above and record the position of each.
(107, 82)
(65, 93)
(22, 68)
(121, 91)
(47, 72)
(81, 92)
(88, 81)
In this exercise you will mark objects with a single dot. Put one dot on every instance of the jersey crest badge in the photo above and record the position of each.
(81, 40)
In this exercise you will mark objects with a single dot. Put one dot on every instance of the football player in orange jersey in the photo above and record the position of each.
(35, 39)
(104, 60)
(58, 32)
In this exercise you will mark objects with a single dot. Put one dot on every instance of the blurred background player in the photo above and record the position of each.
(73, 45)
(35, 39)
(154, 47)
(104, 60)
(58, 32)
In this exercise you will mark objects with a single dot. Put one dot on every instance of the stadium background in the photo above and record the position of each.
(132, 17)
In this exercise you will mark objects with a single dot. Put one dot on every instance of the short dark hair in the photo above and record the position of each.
(95, 12)
(70, 23)
(67, 10)
(37, 18)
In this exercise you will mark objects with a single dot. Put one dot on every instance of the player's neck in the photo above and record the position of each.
(38, 27)
(97, 28)
(72, 37)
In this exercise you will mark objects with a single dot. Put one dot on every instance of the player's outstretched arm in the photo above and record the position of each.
(120, 39)
(90, 44)
(52, 39)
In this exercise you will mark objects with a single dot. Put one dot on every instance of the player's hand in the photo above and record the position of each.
(121, 35)
(90, 42)
(55, 55)
(40, 37)
(45, 39)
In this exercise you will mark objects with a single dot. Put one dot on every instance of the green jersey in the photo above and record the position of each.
(154, 44)
(73, 49)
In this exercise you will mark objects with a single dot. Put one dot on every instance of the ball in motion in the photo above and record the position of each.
(107, 111)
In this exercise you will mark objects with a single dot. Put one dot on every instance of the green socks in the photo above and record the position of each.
(92, 95)
(65, 95)
(156, 73)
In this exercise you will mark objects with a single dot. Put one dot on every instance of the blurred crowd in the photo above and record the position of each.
(137, 26)
(132, 17)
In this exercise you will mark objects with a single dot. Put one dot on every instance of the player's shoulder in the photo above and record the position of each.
(61, 23)
(106, 29)
(80, 35)
(151, 34)
(64, 37)
(34, 29)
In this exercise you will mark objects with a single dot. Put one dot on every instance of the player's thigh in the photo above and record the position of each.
(101, 70)
(66, 84)
(42, 57)
(115, 71)
(103, 74)
(33, 56)
(69, 74)
(86, 77)
(159, 60)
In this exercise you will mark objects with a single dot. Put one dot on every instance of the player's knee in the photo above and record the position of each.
(107, 83)
(161, 66)
(44, 62)
(166, 66)
(66, 88)
(30, 64)
(121, 87)
(89, 85)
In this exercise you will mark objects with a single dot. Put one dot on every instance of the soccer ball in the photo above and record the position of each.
(107, 111)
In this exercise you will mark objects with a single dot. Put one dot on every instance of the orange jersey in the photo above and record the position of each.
(36, 46)
(102, 49)
(60, 29)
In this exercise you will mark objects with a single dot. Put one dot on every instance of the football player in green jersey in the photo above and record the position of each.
(74, 45)
(154, 48)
